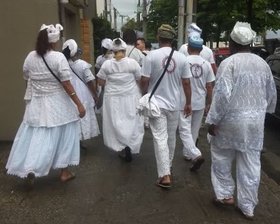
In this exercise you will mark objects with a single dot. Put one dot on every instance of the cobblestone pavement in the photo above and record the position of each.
(110, 191)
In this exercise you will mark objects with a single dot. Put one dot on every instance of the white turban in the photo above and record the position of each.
(72, 45)
(118, 46)
(242, 33)
(194, 30)
(53, 32)
(107, 43)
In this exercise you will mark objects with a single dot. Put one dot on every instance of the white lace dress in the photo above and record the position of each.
(48, 136)
(88, 124)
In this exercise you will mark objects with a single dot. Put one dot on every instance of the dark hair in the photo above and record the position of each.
(148, 45)
(104, 50)
(66, 51)
(129, 36)
(142, 39)
(42, 43)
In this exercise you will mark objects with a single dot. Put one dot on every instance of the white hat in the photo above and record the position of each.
(72, 45)
(194, 30)
(118, 45)
(107, 43)
(53, 32)
(242, 33)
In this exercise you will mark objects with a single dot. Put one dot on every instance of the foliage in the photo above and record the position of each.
(102, 29)
(218, 17)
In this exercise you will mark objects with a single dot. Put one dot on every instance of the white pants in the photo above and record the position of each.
(164, 139)
(248, 170)
(189, 131)
(189, 148)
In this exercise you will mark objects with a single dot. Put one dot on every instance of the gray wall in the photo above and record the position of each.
(20, 21)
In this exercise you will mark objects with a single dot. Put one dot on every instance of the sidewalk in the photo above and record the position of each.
(110, 191)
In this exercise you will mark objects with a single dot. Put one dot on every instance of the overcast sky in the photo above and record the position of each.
(126, 7)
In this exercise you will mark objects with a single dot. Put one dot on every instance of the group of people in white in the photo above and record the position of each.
(52, 128)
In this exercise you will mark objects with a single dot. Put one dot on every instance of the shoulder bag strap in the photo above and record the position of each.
(50, 69)
(77, 75)
(130, 52)
(160, 78)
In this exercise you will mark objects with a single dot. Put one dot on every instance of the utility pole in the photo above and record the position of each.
(106, 10)
(138, 12)
(115, 19)
(189, 16)
(181, 14)
(144, 15)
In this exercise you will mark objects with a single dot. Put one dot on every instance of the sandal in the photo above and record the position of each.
(30, 180)
(196, 164)
(223, 202)
(165, 185)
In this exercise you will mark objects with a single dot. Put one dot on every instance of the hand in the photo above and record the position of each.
(212, 129)
(82, 111)
(95, 98)
(206, 110)
(187, 110)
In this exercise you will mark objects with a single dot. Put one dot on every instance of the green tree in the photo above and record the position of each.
(102, 29)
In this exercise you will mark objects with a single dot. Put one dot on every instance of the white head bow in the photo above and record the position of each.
(242, 33)
(53, 32)
(118, 45)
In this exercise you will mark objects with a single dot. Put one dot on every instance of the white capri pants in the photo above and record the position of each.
(248, 170)
(164, 138)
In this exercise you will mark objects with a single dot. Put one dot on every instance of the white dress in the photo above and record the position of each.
(88, 124)
(122, 126)
(48, 136)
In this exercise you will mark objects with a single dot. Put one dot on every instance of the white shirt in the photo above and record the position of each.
(205, 53)
(169, 89)
(120, 75)
(82, 69)
(101, 58)
(243, 93)
(136, 54)
(202, 74)
(48, 105)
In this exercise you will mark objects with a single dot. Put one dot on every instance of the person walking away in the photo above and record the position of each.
(201, 84)
(243, 93)
(129, 37)
(167, 96)
(123, 128)
(48, 136)
(84, 83)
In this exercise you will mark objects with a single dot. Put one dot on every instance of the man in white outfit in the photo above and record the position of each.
(207, 54)
(167, 96)
(201, 84)
(243, 93)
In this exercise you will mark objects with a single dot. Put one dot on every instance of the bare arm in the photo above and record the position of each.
(209, 88)
(69, 89)
(188, 94)
(214, 68)
(101, 82)
(144, 84)
(92, 87)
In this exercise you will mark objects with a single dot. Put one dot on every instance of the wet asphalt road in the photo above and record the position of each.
(108, 190)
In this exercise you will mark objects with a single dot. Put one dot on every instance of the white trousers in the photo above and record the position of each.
(248, 170)
(189, 148)
(164, 138)
(189, 131)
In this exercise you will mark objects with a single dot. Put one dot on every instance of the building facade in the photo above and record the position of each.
(20, 22)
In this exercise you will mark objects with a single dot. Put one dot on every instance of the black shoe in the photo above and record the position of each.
(128, 156)
(197, 164)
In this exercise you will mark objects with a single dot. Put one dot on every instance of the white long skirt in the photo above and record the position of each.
(38, 149)
(122, 126)
(88, 124)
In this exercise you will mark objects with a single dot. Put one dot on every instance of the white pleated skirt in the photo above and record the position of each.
(38, 149)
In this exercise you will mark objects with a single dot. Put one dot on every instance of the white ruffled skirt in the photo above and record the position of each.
(38, 149)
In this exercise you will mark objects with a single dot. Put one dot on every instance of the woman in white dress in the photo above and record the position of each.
(48, 136)
(84, 83)
(123, 128)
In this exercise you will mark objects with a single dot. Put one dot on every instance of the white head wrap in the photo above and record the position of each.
(53, 32)
(242, 33)
(107, 43)
(118, 47)
(194, 30)
(73, 47)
